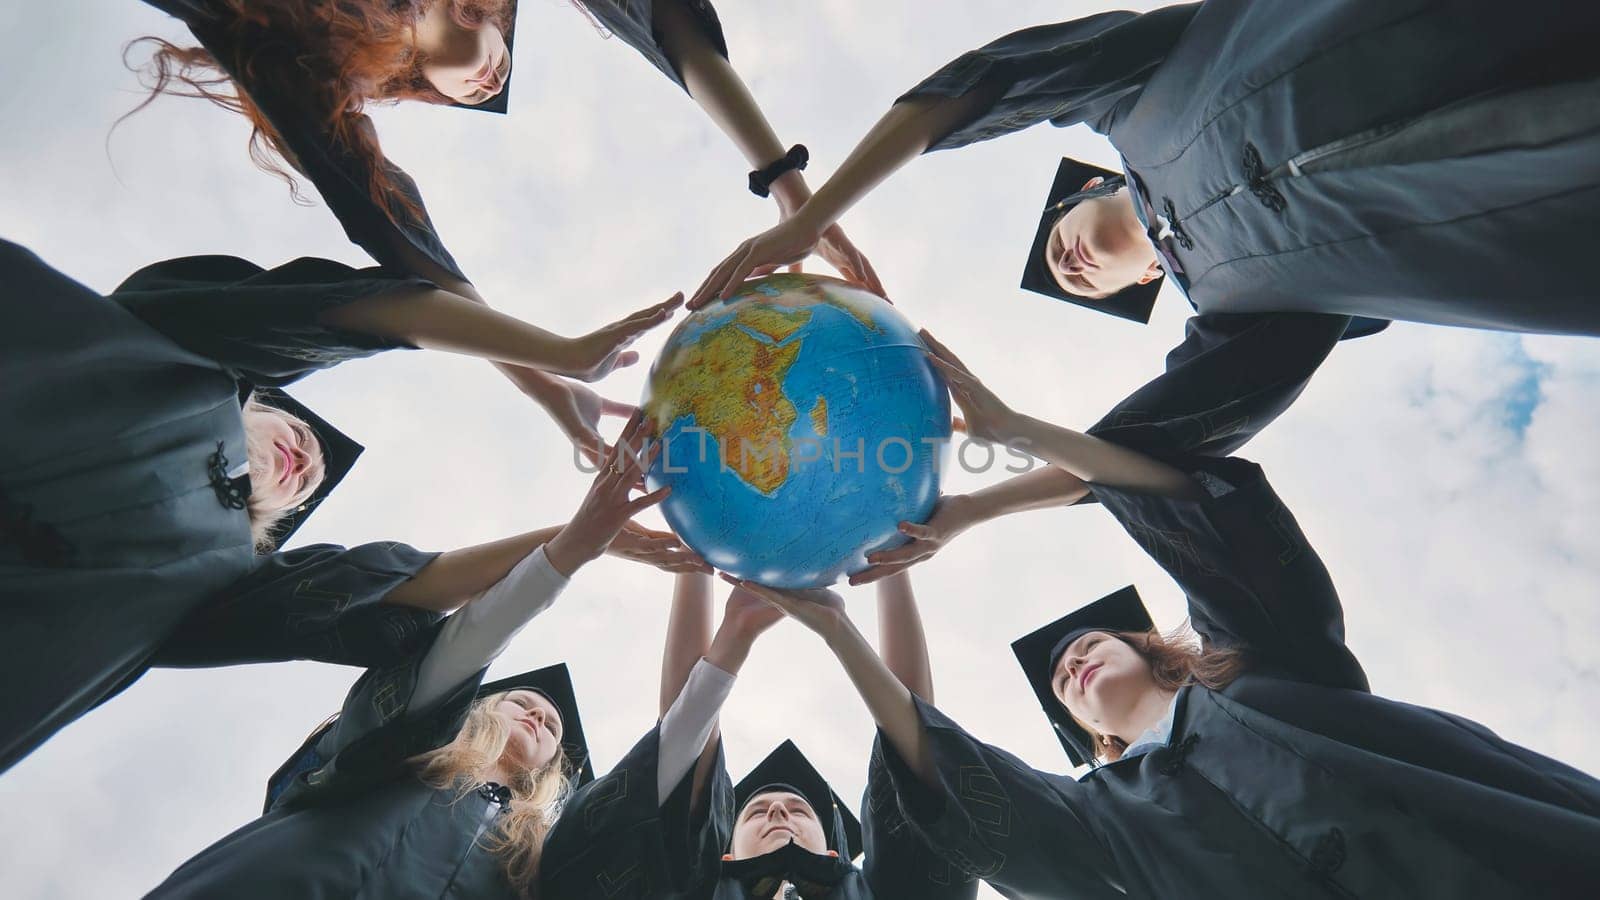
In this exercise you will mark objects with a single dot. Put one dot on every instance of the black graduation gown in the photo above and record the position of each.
(347, 818)
(113, 533)
(897, 862)
(342, 177)
(1293, 781)
(1382, 230)
(615, 840)
(1378, 160)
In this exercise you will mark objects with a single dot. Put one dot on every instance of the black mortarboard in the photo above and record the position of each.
(497, 103)
(555, 683)
(1133, 302)
(1038, 653)
(339, 454)
(787, 769)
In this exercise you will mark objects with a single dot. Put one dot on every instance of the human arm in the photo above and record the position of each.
(1090, 459)
(902, 642)
(1067, 73)
(436, 319)
(701, 60)
(977, 806)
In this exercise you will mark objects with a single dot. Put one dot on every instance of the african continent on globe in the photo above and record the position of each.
(802, 423)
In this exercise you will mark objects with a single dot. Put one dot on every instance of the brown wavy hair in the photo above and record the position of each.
(1176, 659)
(339, 56)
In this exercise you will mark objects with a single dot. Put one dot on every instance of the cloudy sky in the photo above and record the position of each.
(1448, 477)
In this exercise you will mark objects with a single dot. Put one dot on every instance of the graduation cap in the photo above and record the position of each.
(555, 683)
(339, 454)
(1133, 302)
(497, 103)
(787, 769)
(1039, 652)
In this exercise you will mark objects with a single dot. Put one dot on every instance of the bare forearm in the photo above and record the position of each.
(1042, 488)
(457, 576)
(1098, 461)
(439, 320)
(902, 642)
(903, 134)
(714, 85)
(688, 635)
(887, 700)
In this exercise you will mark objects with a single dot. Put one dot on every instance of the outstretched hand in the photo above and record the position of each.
(577, 411)
(950, 518)
(985, 416)
(607, 507)
(603, 351)
(789, 241)
(661, 549)
(750, 615)
(819, 609)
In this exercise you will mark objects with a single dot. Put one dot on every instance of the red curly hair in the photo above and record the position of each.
(337, 55)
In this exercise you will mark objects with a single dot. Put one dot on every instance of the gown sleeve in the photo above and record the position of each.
(378, 729)
(321, 602)
(899, 862)
(632, 21)
(340, 175)
(1252, 580)
(1232, 376)
(616, 837)
(259, 324)
(994, 817)
(1070, 72)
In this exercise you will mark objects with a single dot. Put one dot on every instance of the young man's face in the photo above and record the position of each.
(1099, 248)
(771, 820)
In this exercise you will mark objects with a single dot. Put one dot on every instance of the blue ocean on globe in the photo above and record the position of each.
(801, 423)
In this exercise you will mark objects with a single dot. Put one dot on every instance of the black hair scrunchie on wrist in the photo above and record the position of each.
(761, 179)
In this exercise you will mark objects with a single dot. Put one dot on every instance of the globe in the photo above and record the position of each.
(801, 423)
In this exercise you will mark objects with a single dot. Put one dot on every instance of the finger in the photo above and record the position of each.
(624, 360)
(796, 268)
(736, 276)
(940, 350)
(759, 271)
(875, 573)
(904, 554)
(707, 291)
(616, 408)
(630, 431)
(648, 500)
(958, 424)
(873, 282)
(918, 531)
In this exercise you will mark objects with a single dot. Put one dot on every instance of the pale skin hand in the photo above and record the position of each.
(607, 507)
(1042, 488)
(660, 549)
(902, 642)
(1090, 459)
(722, 94)
(889, 701)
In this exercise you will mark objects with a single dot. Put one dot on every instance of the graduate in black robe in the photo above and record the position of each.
(125, 540)
(1261, 766)
(791, 836)
(1299, 176)
(681, 38)
(428, 785)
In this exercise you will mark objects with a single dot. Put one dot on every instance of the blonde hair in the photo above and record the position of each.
(537, 795)
(265, 515)
(1176, 659)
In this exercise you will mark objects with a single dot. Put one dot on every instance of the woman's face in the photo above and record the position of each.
(286, 460)
(771, 820)
(468, 65)
(1099, 678)
(1099, 248)
(534, 726)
